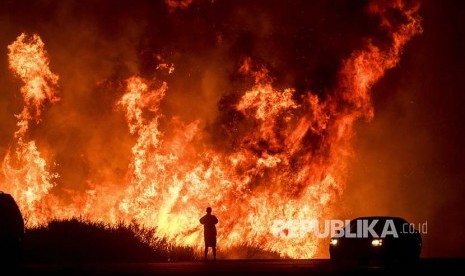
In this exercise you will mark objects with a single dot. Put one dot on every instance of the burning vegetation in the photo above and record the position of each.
(271, 152)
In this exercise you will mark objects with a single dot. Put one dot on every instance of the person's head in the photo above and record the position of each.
(209, 210)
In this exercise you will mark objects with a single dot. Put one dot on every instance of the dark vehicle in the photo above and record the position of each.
(376, 239)
(11, 229)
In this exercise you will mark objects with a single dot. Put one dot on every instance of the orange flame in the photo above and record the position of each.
(291, 163)
(25, 171)
(178, 4)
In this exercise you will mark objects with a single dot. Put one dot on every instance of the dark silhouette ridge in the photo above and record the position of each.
(209, 232)
(11, 230)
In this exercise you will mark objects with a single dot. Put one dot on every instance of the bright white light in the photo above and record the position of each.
(377, 242)
(333, 242)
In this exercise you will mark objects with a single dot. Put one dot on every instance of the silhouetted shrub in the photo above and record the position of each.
(77, 240)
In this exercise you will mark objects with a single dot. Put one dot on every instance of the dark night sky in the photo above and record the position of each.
(409, 158)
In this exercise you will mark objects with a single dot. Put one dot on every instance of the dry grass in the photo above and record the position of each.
(78, 240)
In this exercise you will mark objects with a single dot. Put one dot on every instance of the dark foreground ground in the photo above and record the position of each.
(244, 267)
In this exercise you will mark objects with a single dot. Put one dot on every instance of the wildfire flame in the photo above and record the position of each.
(291, 163)
(25, 170)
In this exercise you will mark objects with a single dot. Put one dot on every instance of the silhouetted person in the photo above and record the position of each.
(209, 232)
(11, 229)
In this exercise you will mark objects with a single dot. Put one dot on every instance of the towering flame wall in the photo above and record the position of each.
(287, 157)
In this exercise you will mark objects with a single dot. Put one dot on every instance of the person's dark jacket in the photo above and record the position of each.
(209, 229)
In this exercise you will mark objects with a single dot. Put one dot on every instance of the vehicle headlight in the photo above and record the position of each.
(333, 242)
(377, 242)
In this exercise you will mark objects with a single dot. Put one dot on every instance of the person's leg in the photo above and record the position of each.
(214, 253)
(206, 252)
